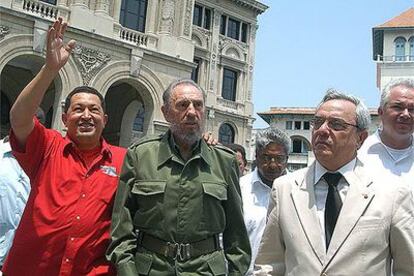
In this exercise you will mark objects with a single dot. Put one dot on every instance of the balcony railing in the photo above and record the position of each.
(133, 37)
(394, 58)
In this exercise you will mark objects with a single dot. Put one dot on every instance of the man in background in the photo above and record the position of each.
(272, 148)
(240, 156)
(390, 151)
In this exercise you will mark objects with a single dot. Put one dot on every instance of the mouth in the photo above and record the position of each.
(86, 126)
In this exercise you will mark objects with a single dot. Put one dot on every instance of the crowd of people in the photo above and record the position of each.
(179, 204)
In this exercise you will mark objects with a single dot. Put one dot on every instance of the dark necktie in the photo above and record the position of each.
(333, 205)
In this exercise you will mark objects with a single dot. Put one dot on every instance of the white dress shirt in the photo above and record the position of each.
(255, 196)
(14, 191)
(321, 189)
(384, 161)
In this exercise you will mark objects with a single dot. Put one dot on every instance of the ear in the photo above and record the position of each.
(362, 135)
(380, 111)
(164, 110)
(64, 118)
(105, 119)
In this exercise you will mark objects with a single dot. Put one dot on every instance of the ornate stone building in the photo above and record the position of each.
(130, 50)
(393, 48)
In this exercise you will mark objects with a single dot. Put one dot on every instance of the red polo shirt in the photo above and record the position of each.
(64, 229)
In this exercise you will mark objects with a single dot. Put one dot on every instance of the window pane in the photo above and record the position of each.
(53, 2)
(244, 32)
(289, 125)
(139, 121)
(229, 84)
(194, 73)
(226, 134)
(207, 18)
(298, 124)
(306, 125)
(233, 29)
(197, 16)
(296, 146)
(223, 25)
(411, 42)
(400, 49)
(133, 14)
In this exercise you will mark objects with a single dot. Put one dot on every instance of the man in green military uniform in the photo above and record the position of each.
(175, 196)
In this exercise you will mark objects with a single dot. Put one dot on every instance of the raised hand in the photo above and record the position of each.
(57, 53)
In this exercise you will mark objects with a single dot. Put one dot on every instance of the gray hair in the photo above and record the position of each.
(166, 96)
(270, 135)
(408, 83)
(363, 118)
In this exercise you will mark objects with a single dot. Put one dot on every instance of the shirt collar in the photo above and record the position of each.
(5, 148)
(345, 170)
(256, 180)
(169, 150)
(105, 151)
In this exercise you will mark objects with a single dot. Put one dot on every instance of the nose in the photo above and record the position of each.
(191, 109)
(405, 112)
(86, 113)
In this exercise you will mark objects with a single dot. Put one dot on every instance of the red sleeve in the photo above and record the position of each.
(38, 145)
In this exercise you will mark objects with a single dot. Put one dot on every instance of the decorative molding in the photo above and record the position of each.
(188, 18)
(4, 30)
(167, 16)
(224, 41)
(89, 61)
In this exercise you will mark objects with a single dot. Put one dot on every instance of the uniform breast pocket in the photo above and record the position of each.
(149, 196)
(213, 213)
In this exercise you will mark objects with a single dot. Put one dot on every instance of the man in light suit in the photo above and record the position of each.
(351, 226)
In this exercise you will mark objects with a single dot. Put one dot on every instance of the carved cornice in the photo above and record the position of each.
(252, 4)
(4, 30)
(89, 61)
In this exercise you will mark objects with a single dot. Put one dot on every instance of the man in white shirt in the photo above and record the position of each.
(390, 149)
(333, 217)
(272, 147)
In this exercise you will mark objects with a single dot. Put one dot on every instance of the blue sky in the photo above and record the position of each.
(305, 47)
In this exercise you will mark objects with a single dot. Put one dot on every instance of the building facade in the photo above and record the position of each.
(295, 121)
(393, 48)
(130, 50)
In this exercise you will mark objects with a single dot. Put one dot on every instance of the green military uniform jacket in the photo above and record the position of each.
(178, 201)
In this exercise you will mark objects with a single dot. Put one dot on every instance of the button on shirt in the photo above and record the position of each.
(321, 190)
(377, 158)
(65, 227)
(255, 196)
(14, 191)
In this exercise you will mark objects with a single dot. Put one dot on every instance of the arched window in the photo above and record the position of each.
(399, 48)
(226, 134)
(299, 145)
(411, 45)
(139, 120)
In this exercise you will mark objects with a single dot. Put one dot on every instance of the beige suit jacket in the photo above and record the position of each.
(375, 226)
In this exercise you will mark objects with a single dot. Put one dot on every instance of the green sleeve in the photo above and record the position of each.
(123, 244)
(235, 239)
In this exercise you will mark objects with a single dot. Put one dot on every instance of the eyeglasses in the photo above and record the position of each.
(333, 123)
(274, 158)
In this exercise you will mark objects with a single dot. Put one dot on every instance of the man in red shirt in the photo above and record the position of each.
(65, 226)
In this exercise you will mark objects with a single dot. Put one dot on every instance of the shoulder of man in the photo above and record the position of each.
(224, 150)
(147, 140)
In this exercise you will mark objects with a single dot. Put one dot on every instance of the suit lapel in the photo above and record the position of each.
(303, 197)
(356, 202)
